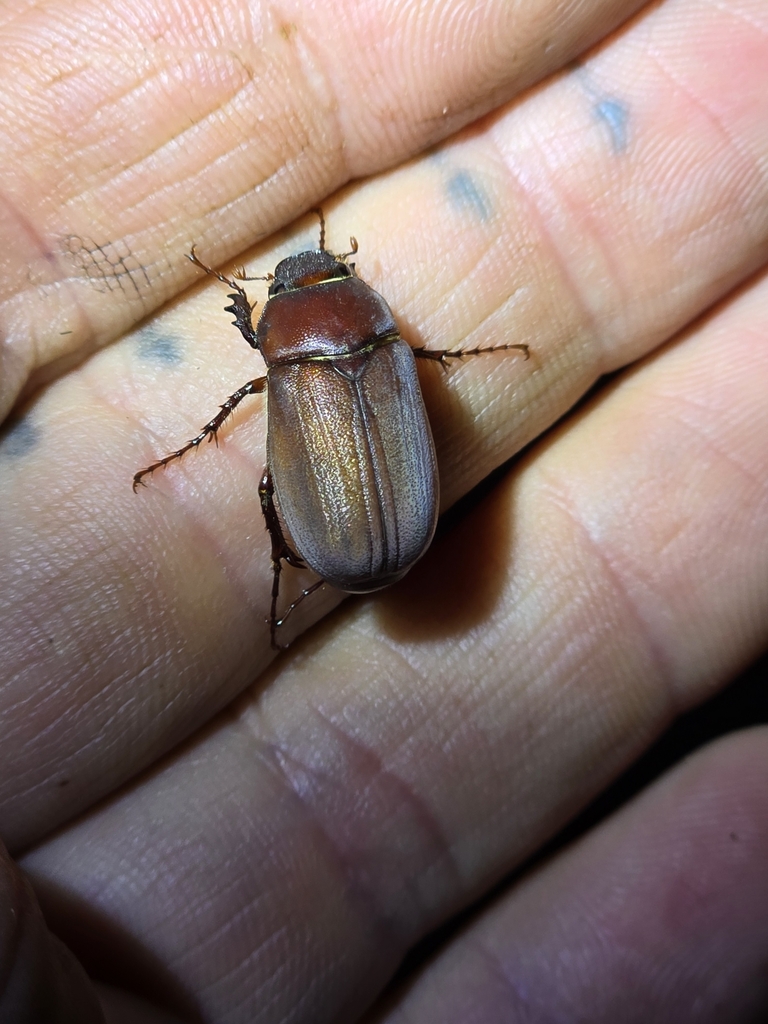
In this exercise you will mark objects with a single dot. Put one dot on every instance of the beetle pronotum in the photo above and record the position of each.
(351, 471)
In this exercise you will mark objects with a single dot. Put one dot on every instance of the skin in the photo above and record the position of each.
(221, 835)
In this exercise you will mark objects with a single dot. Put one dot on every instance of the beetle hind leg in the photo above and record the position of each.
(294, 605)
(281, 552)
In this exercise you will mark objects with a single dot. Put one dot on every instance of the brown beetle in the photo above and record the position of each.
(350, 457)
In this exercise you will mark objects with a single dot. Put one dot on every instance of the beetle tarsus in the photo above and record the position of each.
(442, 355)
(294, 604)
(281, 552)
(210, 430)
(274, 622)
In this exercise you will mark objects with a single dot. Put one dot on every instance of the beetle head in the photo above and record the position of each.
(311, 267)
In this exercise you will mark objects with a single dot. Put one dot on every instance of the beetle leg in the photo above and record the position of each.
(442, 355)
(294, 604)
(280, 552)
(253, 387)
(240, 308)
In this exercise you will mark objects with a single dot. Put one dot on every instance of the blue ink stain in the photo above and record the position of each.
(19, 439)
(614, 115)
(158, 348)
(466, 194)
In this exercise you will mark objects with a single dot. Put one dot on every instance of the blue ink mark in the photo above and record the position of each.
(614, 115)
(19, 439)
(466, 194)
(158, 348)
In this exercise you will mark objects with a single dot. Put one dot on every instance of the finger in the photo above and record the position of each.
(658, 915)
(418, 748)
(40, 980)
(149, 611)
(129, 134)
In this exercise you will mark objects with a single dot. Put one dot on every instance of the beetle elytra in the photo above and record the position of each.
(351, 476)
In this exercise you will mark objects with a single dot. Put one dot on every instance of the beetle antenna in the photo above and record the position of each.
(345, 255)
(192, 257)
(320, 214)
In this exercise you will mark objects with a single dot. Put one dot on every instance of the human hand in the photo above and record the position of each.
(261, 839)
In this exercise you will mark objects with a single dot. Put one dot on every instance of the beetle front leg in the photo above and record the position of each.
(280, 552)
(253, 387)
(241, 307)
(442, 355)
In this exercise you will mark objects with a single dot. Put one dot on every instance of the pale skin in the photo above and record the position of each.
(294, 824)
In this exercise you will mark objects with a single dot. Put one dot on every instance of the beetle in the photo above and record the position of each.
(351, 470)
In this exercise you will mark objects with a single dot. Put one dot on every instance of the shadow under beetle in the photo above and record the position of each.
(351, 463)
